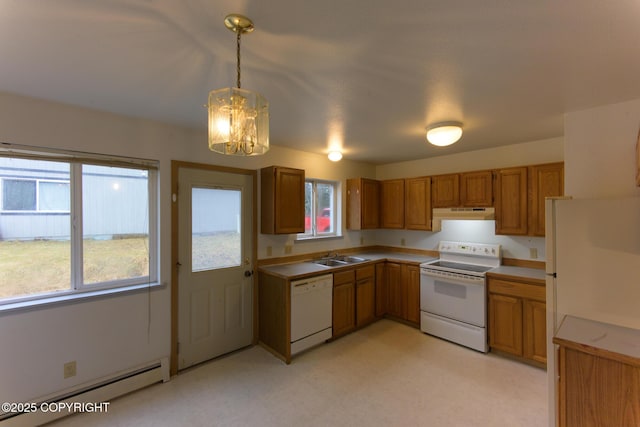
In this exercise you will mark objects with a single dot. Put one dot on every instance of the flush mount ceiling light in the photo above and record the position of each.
(335, 156)
(238, 118)
(444, 133)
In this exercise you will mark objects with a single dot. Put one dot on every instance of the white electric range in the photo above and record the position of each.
(453, 297)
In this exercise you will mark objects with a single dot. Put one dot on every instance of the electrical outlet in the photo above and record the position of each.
(269, 251)
(361, 240)
(69, 369)
(402, 242)
(287, 249)
(533, 253)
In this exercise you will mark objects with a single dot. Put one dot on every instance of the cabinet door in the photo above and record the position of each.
(535, 330)
(445, 191)
(282, 200)
(392, 196)
(370, 204)
(505, 323)
(417, 203)
(511, 201)
(476, 189)
(411, 288)
(363, 204)
(597, 390)
(544, 181)
(394, 285)
(365, 301)
(344, 315)
(382, 291)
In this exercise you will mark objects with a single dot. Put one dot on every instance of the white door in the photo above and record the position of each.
(215, 285)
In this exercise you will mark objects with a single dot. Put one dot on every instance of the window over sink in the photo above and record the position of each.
(320, 209)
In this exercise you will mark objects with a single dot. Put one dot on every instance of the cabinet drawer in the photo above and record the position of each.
(517, 289)
(365, 272)
(343, 277)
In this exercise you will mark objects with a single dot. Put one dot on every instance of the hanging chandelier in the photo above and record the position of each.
(238, 118)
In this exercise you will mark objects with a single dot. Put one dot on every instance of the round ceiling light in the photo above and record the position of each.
(444, 133)
(335, 156)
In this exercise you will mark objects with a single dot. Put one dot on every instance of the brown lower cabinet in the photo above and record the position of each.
(517, 318)
(382, 289)
(403, 285)
(598, 387)
(354, 299)
(365, 295)
(344, 302)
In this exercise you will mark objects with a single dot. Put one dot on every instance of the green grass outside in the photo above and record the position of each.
(37, 266)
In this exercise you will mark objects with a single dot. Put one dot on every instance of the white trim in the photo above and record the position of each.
(69, 297)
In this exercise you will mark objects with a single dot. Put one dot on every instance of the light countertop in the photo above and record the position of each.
(299, 269)
(591, 334)
(533, 274)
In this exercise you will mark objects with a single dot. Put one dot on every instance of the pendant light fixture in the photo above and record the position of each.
(238, 118)
(444, 133)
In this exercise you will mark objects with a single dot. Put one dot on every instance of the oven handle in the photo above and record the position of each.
(455, 278)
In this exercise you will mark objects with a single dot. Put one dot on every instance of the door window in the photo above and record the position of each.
(215, 228)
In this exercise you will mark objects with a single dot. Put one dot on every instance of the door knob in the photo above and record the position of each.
(248, 273)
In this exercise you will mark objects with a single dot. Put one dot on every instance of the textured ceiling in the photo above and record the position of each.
(369, 76)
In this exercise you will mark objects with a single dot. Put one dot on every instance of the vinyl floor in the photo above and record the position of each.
(387, 374)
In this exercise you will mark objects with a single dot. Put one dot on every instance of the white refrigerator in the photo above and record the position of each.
(592, 267)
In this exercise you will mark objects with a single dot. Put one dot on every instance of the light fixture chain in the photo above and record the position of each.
(238, 57)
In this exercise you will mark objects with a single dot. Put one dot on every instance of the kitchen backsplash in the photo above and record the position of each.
(519, 247)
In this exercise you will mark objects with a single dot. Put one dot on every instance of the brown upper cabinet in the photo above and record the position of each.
(445, 191)
(469, 189)
(511, 201)
(363, 203)
(282, 200)
(417, 203)
(520, 194)
(392, 203)
(476, 189)
(517, 193)
(544, 181)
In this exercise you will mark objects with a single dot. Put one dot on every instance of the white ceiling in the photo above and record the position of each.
(372, 74)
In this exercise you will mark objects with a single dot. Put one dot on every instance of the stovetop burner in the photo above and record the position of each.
(466, 258)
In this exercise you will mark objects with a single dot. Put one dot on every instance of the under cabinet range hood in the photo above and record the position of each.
(461, 213)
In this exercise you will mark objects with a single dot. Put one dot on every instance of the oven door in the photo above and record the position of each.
(458, 297)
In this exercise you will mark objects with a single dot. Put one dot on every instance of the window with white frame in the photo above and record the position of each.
(320, 208)
(35, 195)
(70, 225)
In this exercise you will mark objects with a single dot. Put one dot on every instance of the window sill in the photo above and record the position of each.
(73, 297)
(301, 239)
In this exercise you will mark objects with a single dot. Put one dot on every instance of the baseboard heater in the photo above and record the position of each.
(102, 391)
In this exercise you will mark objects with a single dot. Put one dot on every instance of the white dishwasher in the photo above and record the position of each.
(311, 311)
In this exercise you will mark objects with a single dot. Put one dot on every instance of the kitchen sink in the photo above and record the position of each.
(339, 261)
(329, 262)
(351, 259)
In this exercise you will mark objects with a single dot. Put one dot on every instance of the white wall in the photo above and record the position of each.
(601, 163)
(111, 334)
(465, 231)
(600, 151)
